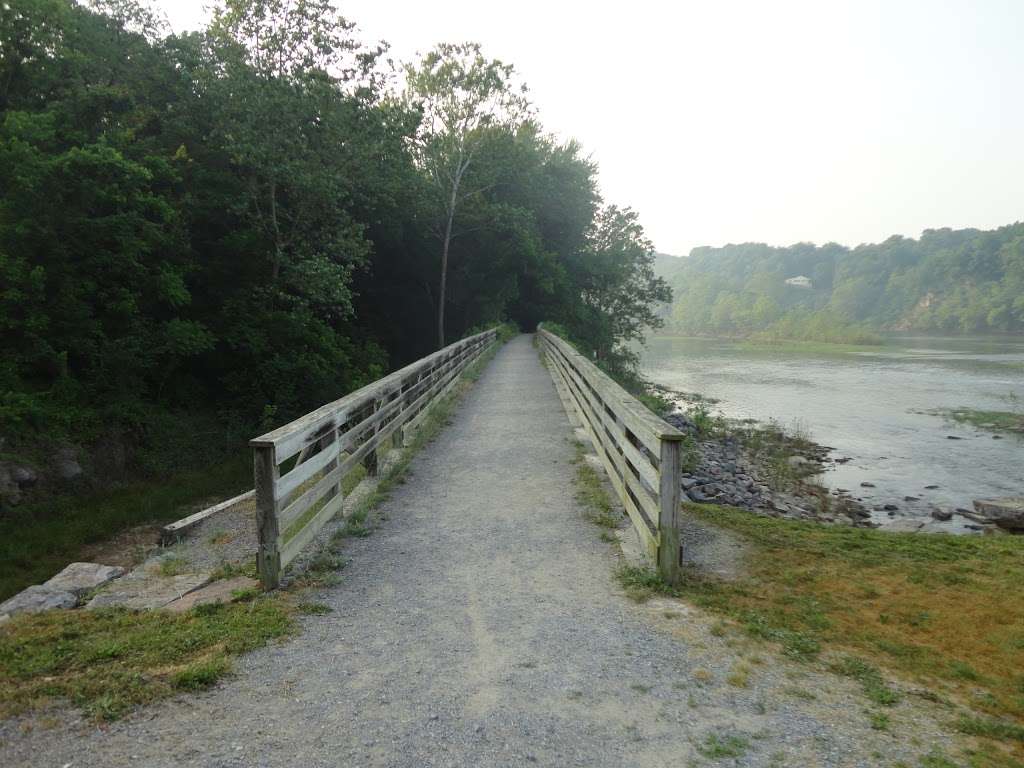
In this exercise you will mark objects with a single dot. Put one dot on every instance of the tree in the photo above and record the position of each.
(617, 286)
(461, 95)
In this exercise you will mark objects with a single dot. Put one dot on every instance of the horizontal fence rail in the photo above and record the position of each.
(299, 467)
(639, 451)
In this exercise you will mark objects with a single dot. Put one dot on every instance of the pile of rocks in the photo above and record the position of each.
(65, 590)
(728, 473)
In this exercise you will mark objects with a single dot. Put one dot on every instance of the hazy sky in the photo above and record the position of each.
(772, 121)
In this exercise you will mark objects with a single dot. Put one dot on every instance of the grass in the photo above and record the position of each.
(108, 661)
(718, 747)
(39, 539)
(996, 421)
(591, 494)
(942, 610)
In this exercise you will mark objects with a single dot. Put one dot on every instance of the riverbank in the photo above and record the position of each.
(757, 467)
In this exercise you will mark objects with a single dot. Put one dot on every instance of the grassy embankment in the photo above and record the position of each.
(943, 612)
(108, 661)
(40, 538)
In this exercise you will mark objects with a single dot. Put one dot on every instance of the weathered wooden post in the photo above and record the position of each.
(268, 557)
(671, 478)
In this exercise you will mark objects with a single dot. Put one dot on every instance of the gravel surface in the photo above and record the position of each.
(480, 625)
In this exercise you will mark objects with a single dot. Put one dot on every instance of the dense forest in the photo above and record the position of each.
(206, 234)
(948, 281)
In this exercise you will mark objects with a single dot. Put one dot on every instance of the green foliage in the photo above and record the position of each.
(948, 281)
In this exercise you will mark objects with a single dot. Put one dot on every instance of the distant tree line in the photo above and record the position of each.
(948, 281)
(251, 220)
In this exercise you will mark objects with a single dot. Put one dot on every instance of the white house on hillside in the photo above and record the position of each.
(800, 281)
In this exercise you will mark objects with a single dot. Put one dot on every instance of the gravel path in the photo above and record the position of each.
(480, 625)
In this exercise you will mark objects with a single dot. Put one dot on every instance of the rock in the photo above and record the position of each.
(890, 507)
(67, 468)
(953, 437)
(79, 578)
(997, 437)
(797, 461)
(217, 592)
(906, 525)
(140, 591)
(1006, 512)
(911, 498)
(866, 484)
(689, 482)
(38, 598)
(24, 477)
(942, 514)
(930, 487)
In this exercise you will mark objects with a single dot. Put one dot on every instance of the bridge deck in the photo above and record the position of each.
(479, 625)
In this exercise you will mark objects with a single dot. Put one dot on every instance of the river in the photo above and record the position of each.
(871, 405)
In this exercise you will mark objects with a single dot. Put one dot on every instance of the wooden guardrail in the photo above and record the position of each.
(639, 451)
(295, 498)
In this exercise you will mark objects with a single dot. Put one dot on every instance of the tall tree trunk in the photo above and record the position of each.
(278, 247)
(444, 265)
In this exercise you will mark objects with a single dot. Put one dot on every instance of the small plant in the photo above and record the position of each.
(642, 583)
(874, 686)
(739, 675)
(172, 565)
(717, 747)
(879, 721)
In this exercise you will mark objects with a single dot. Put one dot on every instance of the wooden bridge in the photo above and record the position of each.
(300, 467)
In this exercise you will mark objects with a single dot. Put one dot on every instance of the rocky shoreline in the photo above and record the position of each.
(729, 471)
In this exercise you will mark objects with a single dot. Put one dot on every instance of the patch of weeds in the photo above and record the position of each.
(964, 671)
(936, 759)
(325, 562)
(313, 609)
(108, 661)
(702, 675)
(243, 595)
(220, 538)
(990, 728)
(640, 688)
(608, 538)
(717, 629)
(641, 583)
(201, 674)
(717, 746)
(878, 720)
(739, 675)
(172, 565)
(870, 679)
(233, 570)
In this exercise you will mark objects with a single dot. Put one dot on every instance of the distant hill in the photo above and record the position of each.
(948, 281)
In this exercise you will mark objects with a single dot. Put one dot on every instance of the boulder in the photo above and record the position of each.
(37, 598)
(866, 484)
(1006, 512)
(797, 461)
(942, 514)
(79, 578)
(139, 591)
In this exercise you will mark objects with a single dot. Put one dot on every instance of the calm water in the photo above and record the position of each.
(869, 406)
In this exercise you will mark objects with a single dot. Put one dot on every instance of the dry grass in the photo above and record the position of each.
(944, 611)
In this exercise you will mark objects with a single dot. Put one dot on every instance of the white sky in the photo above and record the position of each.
(768, 120)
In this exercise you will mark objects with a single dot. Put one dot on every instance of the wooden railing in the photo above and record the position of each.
(639, 451)
(295, 498)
